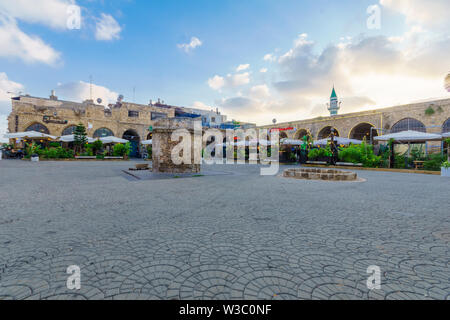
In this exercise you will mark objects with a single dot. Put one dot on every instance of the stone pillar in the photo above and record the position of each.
(163, 145)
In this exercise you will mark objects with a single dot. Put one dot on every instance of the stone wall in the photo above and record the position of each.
(381, 119)
(163, 145)
(30, 110)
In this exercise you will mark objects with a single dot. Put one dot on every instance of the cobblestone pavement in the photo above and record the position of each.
(230, 236)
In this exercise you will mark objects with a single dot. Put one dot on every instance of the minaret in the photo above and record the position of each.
(334, 105)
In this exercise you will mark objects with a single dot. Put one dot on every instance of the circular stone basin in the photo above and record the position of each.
(320, 174)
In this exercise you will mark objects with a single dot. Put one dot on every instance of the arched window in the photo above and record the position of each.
(103, 132)
(446, 126)
(69, 130)
(408, 124)
(326, 132)
(38, 128)
(300, 134)
(363, 130)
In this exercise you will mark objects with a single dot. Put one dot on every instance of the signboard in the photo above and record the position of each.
(282, 129)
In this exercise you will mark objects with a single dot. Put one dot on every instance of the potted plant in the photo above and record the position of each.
(445, 169)
(35, 157)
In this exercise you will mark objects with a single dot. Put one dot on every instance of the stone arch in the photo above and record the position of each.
(38, 127)
(408, 124)
(134, 138)
(326, 131)
(68, 130)
(283, 135)
(363, 130)
(150, 136)
(446, 126)
(301, 133)
(103, 132)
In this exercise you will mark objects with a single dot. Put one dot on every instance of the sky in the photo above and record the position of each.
(255, 60)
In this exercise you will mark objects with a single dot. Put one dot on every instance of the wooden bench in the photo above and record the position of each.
(418, 164)
(113, 158)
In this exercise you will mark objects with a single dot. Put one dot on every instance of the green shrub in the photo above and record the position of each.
(56, 153)
(434, 162)
(120, 150)
(362, 153)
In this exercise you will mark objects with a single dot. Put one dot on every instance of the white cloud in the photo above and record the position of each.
(269, 57)
(29, 48)
(107, 28)
(369, 73)
(239, 79)
(51, 13)
(188, 47)
(432, 14)
(263, 70)
(216, 83)
(260, 92)
(80, 91)
(242, 67)
(230, 81)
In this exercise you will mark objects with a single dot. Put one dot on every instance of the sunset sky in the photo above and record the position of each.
(255, 60)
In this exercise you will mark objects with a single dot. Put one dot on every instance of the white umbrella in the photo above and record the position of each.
(112, 139)
(338, 140)
(147, 142)
(410, 136)
(28, 135)
(291, 142)
(71, 138)
(446, 135)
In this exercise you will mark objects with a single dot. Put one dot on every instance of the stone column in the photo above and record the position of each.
(163, 145)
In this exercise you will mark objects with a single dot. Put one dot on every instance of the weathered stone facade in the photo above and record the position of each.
(163, 145)
(432, 114)
(57, 115)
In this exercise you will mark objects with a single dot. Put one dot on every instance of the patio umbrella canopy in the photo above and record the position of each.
(29, 135)
(291, 142)
(147, 142)
(410, 136)
(71, 138)
(338, 140)
(446, 135)
(107, 140)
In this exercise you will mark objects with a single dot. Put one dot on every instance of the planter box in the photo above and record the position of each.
(445, 172)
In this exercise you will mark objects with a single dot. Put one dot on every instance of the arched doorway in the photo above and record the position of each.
(326, 132)
(363, 130)
(408, 124)
(300, 134)
(103, 132)
(150, 136)
(132, 136)
(283, 135)
(69, 131)
(38, 127)
(446, 126)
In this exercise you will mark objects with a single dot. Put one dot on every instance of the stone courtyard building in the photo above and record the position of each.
(57, 117)
(431, 116)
